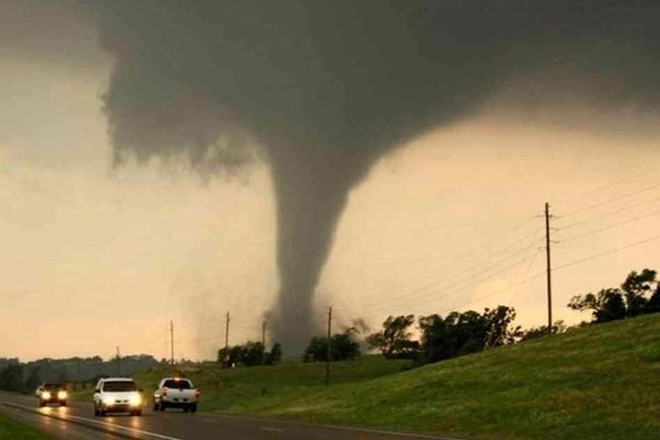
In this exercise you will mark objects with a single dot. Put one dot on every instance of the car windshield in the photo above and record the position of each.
(120, 385)
(180, 384)
(53, 386)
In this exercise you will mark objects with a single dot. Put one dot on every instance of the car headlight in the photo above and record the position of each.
(108, 400)
(45, 395)
(135, 400)
(61, 395)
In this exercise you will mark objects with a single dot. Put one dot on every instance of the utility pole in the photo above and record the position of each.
(118, 362)
(172, 342)
(263, 342)
(548, 266)
(329, 345)
(227, 332)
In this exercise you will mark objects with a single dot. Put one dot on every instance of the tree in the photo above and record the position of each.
(653, 304)
(247, 355)
(455, 335)
(630, 300)
(468, 332)
(34, 378)
(635, 287)
(252, 354)
(317, 349)
(499, 331)
(607, 305)
(11, 378)
(275, 354)
(394, 340)
(343, 347)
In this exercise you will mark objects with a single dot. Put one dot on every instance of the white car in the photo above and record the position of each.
(176, 392)
(117, 394)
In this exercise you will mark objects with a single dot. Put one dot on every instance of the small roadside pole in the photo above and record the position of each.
(226, 360)
(329, 351)
(171, 342)
(227, 332)
(263, 342)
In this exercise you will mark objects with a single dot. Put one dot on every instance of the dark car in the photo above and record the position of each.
(52, 392)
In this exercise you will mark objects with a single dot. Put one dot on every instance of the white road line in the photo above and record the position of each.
(125, 428)
(271, 428)
(339, 427)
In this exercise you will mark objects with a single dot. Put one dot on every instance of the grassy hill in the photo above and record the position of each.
(600, 382)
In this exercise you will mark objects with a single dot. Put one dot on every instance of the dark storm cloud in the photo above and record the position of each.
(49, 31)
(328, 87)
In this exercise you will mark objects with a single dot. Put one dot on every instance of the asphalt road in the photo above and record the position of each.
(77, 422)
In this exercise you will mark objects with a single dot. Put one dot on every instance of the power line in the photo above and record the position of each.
(446, 281)
(608, 252)
(430, 298)
(605, 202)
(381, 311)
(472, 301)
(449, 258)
(616, 225)
(608, 214)
(489, 276)
(610, 185)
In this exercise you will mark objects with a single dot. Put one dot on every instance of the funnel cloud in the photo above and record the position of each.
(322, 89)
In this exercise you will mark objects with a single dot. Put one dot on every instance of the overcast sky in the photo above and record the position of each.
(96, 256)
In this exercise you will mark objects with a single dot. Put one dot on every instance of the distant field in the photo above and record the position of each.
(10, 429)
(222, 388)
(596, 383)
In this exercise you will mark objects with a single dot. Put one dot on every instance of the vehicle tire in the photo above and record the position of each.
(193, 408)
(63, 403)
(102, 412)
(161, 406)
(156, 407)
(42, 403)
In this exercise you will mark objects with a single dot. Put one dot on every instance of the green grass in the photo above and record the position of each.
(222, 389)
(11, 429)
(600, 382)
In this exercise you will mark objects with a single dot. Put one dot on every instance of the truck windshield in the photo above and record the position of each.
(120, 386)
(181, 384)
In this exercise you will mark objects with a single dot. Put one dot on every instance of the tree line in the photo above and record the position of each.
(638, 295)
(460, 333)
(77, 371)
(249, 354)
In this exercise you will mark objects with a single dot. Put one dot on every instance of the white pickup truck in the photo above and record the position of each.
(176, 392)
